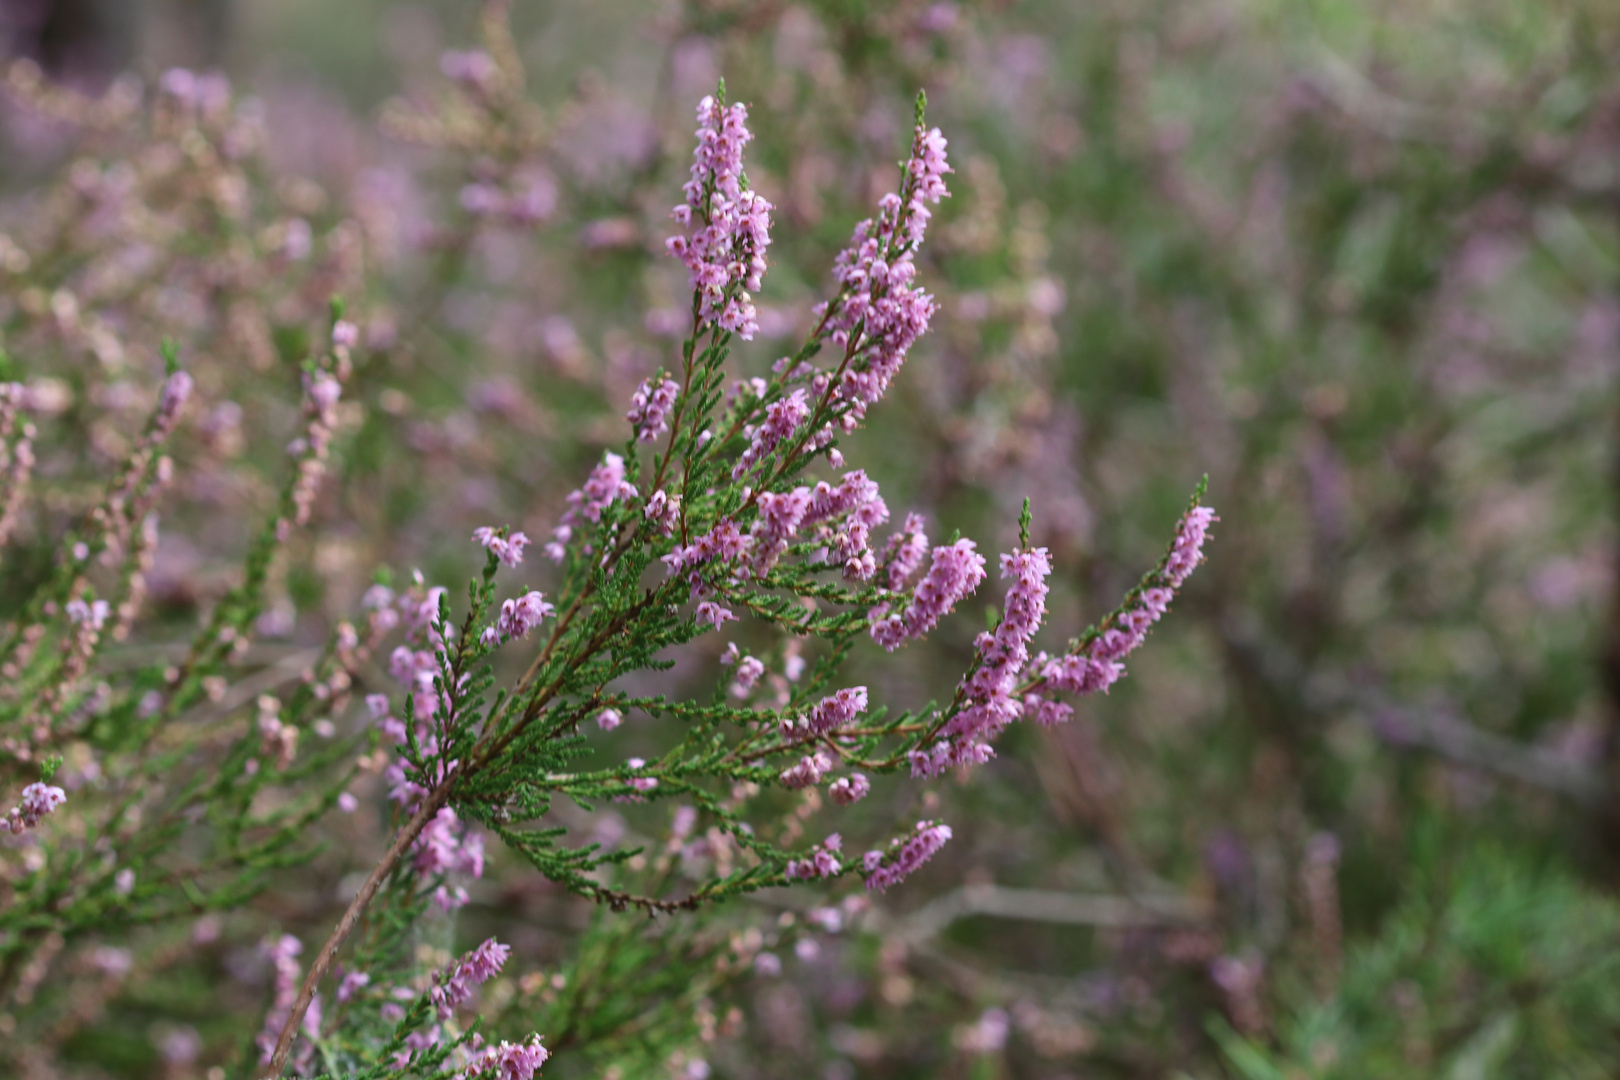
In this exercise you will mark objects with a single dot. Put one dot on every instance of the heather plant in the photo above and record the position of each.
(1357, 263)
(731, 502)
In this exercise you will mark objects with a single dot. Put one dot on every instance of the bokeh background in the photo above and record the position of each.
(1354, 813)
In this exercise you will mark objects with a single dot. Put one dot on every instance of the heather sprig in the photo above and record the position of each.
(645, 570)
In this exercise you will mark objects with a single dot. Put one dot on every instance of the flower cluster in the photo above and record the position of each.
(850, 789)
(878, 315)
(606, 486)
(833, 712)
(518, 616)
(990, 691)
(508, 549)
(782, 418)
(16, 454)
(954, 572)
(1099, 663)
(822, 863)
(664, 511)
(650, 407)
(455, 987)
(38, 800)
(88, 613)
(446, 847)
(885, 869)
(322, 390)
(729, 226)
(808, 772)
(904, 552)
(508, 1061)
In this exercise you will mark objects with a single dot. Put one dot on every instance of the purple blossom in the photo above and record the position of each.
(710, 612)
(472, 69)
(447, 846)
(650, 407)
(345, 335)
(608, 719)
(509, 550)
(780, 516)
(38, 801)
(664, 511)
(833, 712)
(640, 783)
(728, 224)
(782, 419)
(176, 392)
(989, 693)
(92, 614)
(749, 669)
(282, 952)
(807, 772)
(948, 754)
(905, 552)
(606, 486)
(1098, 664)
(884, 870)
(850, 789)
(722, 543)
(510, 1061)
(352, 984)
(954, 572)
(455, 987)
(877, 315)
(822, 863)
(521, 615)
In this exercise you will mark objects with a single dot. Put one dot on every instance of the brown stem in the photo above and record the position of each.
(323, 963)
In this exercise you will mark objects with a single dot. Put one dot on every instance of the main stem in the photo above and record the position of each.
(323, 963)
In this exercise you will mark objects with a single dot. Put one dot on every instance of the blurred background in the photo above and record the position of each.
(1356, 810)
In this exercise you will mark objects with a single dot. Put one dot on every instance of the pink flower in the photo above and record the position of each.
(748, 672)
(176, 392)
(724, 542)
(509, 550)
(38, 801)
(283, 953)
(522, 615)
(650, 407)
(878, 316)
(728, 224)
(780, 516)
(807, 772)
(454, 988)
(831, 713)
(849, 789)
(447, 846)
(606, 486)
(905, 551)
(954, 572)
(991, 701)
(510, 1061)
(1097, 664)
(822, 863)
(92, 614)
(884, 870)
(664, 511)
(710, 612)
(782, 419)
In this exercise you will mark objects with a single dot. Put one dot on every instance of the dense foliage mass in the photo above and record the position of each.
(797, 742)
